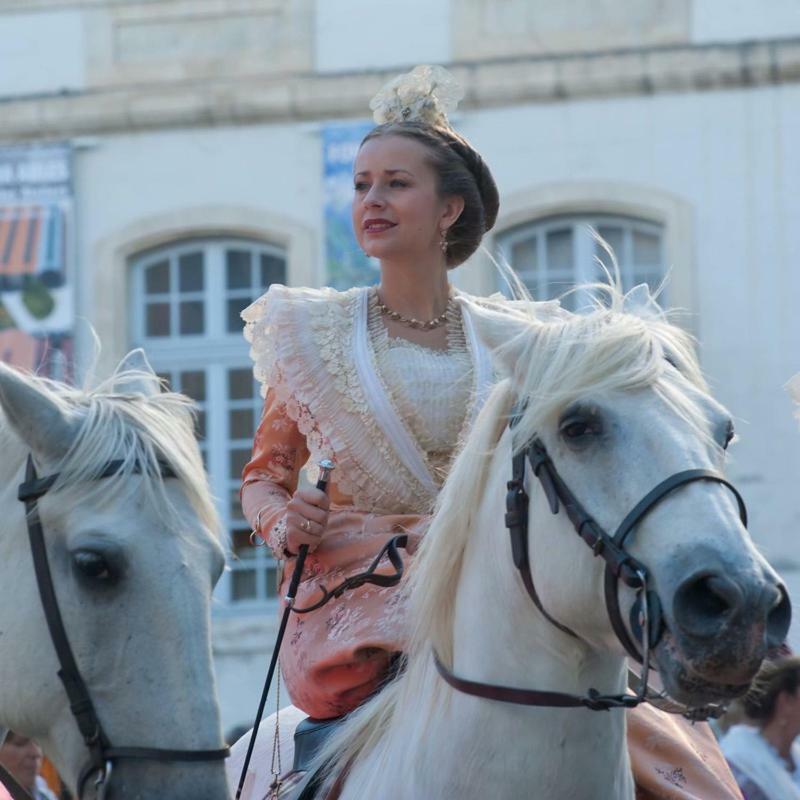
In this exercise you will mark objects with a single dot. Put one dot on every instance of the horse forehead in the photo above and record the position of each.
(126, 516)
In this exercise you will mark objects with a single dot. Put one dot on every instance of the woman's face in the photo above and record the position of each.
(22, 757)
(397, 210)
(789, 711)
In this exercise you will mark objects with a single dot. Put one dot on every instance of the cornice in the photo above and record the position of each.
(265, 99)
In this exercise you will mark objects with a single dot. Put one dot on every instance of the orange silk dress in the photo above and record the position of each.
(305, 344)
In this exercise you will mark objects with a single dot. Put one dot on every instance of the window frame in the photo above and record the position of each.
(582, 225)
(215, 352)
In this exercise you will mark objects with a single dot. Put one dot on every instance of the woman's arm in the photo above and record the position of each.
(284, 517)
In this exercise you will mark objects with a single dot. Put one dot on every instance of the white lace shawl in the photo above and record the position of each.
(745, 748)
(311, 346)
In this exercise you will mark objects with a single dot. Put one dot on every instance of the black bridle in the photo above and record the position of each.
(646, 618)
(102, 754)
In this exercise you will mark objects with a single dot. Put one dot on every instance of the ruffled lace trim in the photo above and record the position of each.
(301, 347)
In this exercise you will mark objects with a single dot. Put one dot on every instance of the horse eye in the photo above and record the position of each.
(730, 433)
(575, 430)
(93, 565)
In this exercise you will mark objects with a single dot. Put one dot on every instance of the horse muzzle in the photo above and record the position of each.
(721, 629)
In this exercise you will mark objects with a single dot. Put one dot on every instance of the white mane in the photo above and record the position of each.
(136, 428)
(556, 359)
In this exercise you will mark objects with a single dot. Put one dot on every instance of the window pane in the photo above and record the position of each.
(243, 585)
(614, 237)
(156, 278)
(238, 269)
(238, 457)
(190, 272)
(646, 249)
(235, 308)
(241, 425)
(524, 255)
(157, 319)
(272, 580)
(200, 425)
(273, 270)
(240, 540)
(241, 385)
(556, 286)
(235, 509)
(559, 250)
(193, 383)
(191, 314)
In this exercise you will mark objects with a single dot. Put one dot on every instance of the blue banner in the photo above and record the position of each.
(346, 263)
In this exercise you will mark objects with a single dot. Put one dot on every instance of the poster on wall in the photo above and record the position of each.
(36, 303)
(346, 264)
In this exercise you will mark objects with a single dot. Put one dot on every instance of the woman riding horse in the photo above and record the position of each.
(386, 380)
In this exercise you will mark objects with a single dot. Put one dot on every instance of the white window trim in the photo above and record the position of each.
(104, 286)
(585, 250)
(214, 352)
(613, 198)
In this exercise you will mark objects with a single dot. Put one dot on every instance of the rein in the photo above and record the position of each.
(102, 754)
(646, 617)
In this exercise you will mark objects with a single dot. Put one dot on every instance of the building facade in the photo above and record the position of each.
(197, 139)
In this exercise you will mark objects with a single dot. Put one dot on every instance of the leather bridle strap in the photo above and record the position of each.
(100, 750)
(593, 700)
(633, 518)
(79, 700)
(516, 520)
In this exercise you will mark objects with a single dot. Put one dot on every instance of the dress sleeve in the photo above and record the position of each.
(270, 478)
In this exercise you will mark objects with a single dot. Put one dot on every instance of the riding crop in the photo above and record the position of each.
(325, 467)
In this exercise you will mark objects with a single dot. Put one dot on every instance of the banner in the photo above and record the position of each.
(36, 303)
(346, 264)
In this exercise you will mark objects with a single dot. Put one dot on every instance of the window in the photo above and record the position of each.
(188, 297)
(553, 255)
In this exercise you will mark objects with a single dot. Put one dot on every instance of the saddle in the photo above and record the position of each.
(309, 737)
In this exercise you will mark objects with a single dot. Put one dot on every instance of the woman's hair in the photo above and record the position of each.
(462, 172)
(773, 678)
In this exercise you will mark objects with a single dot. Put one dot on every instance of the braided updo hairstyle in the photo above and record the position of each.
(462, 172)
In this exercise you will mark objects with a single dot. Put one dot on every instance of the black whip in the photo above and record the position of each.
(325, 467)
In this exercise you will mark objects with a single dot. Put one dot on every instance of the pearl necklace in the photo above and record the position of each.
(410, 322)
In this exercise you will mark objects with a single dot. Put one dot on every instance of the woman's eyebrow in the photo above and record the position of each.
(387, 171)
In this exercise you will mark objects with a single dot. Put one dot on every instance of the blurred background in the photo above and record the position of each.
(163, 161)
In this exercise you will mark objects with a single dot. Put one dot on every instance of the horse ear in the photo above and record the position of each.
(35, 415)
(505, 328)
(136, 376)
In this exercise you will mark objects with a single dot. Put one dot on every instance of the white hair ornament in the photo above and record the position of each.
(426, 94)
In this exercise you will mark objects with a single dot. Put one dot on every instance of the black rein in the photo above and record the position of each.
(102, 753)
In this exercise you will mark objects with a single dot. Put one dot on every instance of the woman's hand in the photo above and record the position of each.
(306, 519)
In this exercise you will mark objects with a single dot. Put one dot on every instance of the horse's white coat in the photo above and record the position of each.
(419, 738)
(143, 643)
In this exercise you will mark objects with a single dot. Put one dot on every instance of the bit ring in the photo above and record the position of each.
(306, 525)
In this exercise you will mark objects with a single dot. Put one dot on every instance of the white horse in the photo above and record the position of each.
(619, 403)
(134, 558)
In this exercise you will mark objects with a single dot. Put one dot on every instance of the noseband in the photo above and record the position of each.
(102, 754)
(646, 617)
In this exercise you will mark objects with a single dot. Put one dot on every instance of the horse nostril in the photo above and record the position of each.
(704, 603)
(779, 618)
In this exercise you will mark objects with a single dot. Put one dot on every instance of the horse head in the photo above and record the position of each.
(617, 402)
(134, 556)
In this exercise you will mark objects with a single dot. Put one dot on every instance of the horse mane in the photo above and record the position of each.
(138, 429)
(555, 358)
